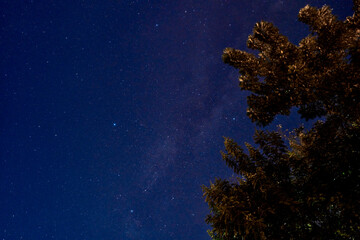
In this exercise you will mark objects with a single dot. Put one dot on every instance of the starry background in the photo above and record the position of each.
(113, 112)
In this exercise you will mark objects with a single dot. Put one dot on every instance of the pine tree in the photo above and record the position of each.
(305, 185)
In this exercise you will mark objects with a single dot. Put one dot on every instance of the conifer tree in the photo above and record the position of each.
(305, 185)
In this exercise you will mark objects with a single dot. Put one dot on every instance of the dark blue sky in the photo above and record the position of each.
(113, 112)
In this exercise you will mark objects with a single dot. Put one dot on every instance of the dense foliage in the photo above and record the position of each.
(305, 185)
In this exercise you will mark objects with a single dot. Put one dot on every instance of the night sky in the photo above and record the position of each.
(113, 112)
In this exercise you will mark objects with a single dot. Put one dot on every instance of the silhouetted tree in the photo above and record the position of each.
(305, 185)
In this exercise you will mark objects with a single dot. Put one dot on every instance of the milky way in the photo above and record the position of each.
(114, 112)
